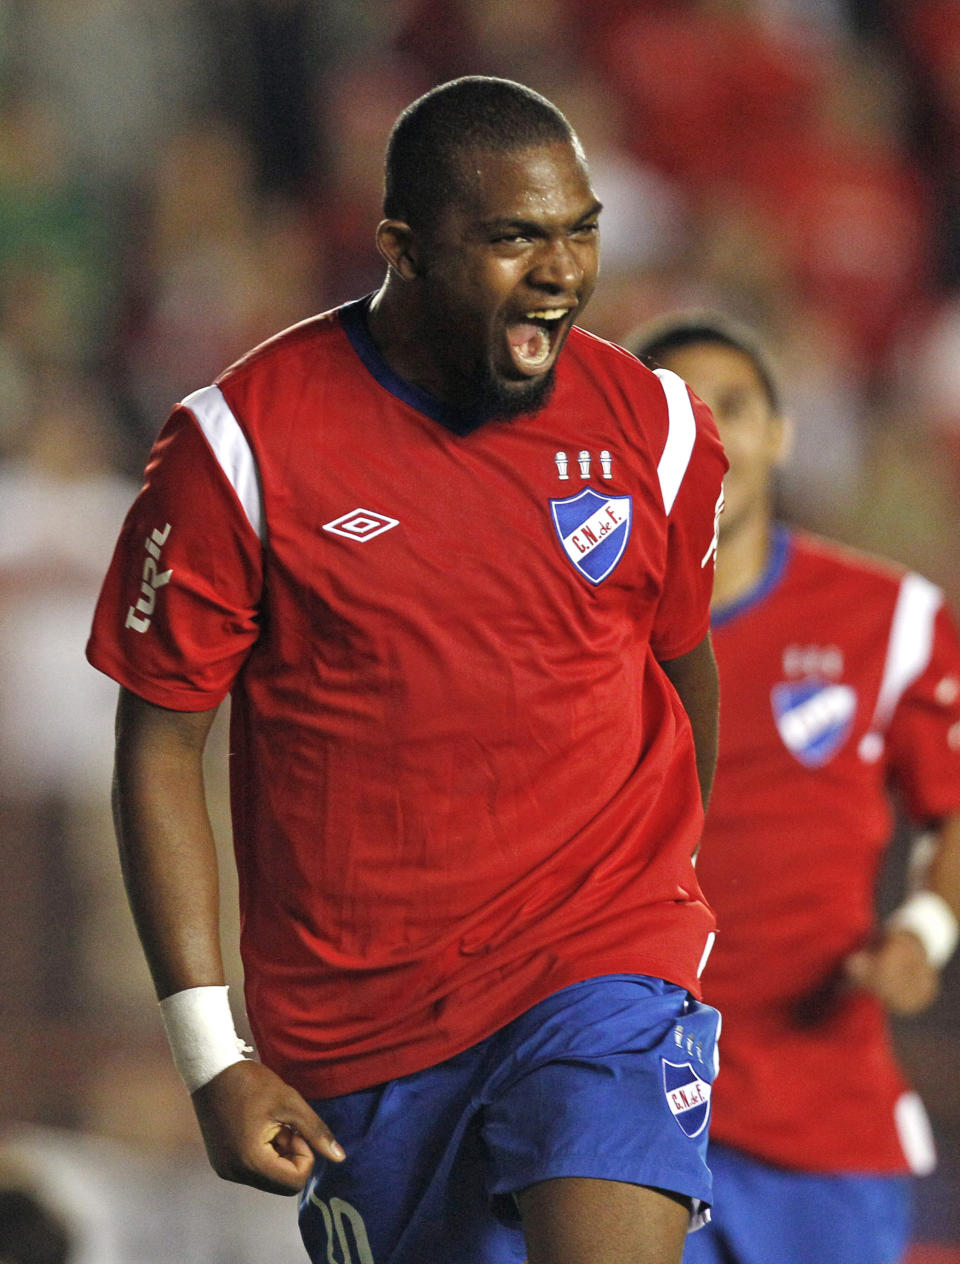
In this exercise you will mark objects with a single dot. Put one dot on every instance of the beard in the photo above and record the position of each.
(498, 400)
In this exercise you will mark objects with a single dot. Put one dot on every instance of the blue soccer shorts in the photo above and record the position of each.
(764, 1213)
(610, 1079)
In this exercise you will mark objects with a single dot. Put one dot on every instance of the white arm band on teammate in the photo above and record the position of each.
(201, 1033)
(933, 921)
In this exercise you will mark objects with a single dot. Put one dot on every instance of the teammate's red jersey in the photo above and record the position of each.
(460, 778)
(838, 675)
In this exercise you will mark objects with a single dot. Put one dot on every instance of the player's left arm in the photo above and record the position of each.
(681, 638)
(694, 676)
(902, 969)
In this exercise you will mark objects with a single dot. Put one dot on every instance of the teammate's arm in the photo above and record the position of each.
(257, 1129)
(898, 969)
(943, 876)
(694, 676)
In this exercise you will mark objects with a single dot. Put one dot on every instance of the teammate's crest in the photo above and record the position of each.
(688, 1096)
(813, 717)
(593, 530)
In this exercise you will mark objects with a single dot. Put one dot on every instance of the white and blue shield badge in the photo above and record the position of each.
(688, 1096)
(593, 530)
(813, 717)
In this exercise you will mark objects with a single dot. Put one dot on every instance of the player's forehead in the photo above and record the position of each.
(715, 362)
(536, 182)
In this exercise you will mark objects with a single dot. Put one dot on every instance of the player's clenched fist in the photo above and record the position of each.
(259, 1131)
(898, 972)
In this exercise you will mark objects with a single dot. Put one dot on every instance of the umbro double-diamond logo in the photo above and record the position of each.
(360, 525)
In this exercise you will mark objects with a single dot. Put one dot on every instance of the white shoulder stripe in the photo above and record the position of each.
(908, 653)
(230, 447)
(680, 437)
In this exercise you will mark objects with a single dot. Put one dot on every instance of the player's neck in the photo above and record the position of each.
(394, 325)
(741, 558)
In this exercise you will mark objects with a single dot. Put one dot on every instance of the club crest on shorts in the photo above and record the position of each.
(593, 530)
(688, 1096)
(813, 718)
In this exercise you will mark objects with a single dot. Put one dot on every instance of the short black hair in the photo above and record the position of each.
(651, 342)
(422, 172)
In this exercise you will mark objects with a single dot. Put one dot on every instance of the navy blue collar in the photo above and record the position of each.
(354, 318)
(777, 558)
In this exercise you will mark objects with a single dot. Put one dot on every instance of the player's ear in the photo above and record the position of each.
(782, 439)
(397, 243)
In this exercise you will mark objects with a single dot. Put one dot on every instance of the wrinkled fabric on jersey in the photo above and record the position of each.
(460, 778)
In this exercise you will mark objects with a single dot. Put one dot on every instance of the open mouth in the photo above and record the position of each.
(534, 338)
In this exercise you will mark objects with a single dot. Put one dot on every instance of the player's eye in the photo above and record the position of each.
(733, 407)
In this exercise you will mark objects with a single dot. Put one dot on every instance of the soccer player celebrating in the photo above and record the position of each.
(451, 557)
(839, 674)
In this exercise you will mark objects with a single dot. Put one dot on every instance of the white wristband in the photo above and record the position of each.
(201, 1033)
(933, 921)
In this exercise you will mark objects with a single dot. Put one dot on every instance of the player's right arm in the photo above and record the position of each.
(177, 618)
(257, 1130)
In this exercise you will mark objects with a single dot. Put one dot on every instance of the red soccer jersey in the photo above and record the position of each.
(838, 675)
(460, 778)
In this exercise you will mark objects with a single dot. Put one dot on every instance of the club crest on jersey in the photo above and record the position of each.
(813, 717)
(688, 1096)
(593, 530)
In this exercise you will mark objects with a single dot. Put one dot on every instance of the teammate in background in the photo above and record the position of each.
(838, 674)
(452, 557)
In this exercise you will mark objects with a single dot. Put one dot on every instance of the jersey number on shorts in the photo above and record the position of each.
(336, 1215)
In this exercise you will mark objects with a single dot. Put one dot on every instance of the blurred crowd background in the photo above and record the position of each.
(180, 179)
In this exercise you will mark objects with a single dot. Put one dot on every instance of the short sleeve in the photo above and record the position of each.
(923, 738)
(178, 611)
(692, 485)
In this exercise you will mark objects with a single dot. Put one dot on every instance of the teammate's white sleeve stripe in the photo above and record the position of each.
(908, 653)
(915, 1134)
(680, 437)
(230, 447)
